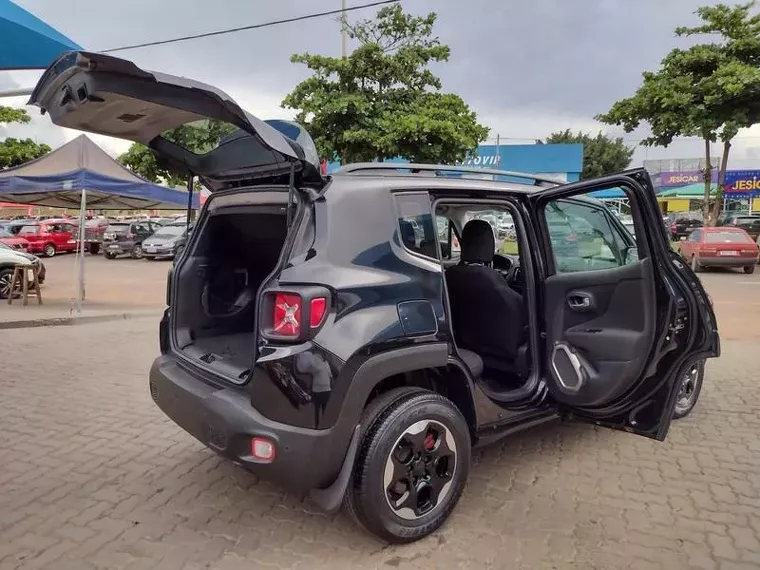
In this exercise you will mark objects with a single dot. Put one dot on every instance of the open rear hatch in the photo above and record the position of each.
(241, 234)
(111, 96)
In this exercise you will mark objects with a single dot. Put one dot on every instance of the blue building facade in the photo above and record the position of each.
(563, 161)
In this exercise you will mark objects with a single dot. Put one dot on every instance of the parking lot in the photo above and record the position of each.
(94, 476)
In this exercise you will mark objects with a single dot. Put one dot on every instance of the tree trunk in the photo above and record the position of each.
(707, 177)
(718, 204)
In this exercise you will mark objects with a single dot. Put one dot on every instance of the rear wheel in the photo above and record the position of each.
(749, 269)
(688, 391)
(109, 255)
(6, 276)
(136, 252)
(411, 467)
(48, 250)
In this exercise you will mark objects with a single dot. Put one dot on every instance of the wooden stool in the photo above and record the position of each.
(20, 275)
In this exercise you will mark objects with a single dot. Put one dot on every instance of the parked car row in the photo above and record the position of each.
(51, 236)
(720, 246)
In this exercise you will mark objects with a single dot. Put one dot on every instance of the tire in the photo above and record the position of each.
(48, 250)
(137, 252)
(688, 394)
(109, 255)
(695, 266)
(150, 257)
(749, 269)
(442, 444)
(94, 248)
(5, 282)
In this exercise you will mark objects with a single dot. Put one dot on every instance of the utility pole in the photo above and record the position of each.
(343, 29)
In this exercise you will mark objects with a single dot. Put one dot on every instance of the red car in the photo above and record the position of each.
(49, 237)
(14, 242)
(720, 247)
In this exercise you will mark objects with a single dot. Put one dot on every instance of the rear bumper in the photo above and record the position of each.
(726, 261)
(118, 247)
(224, 420)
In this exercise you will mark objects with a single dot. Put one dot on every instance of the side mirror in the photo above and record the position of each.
(683, 238)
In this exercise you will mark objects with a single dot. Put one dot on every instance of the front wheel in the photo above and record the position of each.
(412, 465)
(688, 391)
(49, 250)
(749, 269)
(6, 278)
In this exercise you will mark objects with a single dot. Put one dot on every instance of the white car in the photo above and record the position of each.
(9, 257)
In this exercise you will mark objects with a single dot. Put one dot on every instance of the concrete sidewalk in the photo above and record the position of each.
(63, 313)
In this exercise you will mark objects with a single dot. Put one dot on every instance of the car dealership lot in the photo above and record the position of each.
(95, 476)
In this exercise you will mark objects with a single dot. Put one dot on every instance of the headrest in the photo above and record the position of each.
(478, 243)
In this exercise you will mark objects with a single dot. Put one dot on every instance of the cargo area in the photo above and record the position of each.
(215, 286)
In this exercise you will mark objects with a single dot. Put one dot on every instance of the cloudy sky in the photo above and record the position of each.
(527, 68)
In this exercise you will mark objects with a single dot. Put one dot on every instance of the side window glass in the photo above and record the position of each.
(415, 224)
(583, 237)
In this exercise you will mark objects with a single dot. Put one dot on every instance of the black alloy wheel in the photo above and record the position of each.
(411, 466)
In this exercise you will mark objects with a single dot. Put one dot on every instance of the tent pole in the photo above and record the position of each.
(189, 198)
(80, 291)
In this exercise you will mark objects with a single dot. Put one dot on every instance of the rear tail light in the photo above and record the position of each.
(286, 320)
(294, 315)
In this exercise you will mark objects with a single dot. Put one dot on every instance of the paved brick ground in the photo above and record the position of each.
(93, 476)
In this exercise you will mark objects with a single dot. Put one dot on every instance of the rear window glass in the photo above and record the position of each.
(118, 228)
(727, 237)
(28, 230)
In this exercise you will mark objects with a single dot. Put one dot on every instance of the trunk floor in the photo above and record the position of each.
(233, 349)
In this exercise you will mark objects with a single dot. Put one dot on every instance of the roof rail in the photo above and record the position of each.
(381, 168)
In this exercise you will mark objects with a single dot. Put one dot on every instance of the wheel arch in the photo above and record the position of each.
(425, 366)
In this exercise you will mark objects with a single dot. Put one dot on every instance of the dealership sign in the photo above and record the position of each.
(742, 183)
(684, 178)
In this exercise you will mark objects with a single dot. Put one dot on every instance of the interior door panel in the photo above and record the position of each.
(604, 343)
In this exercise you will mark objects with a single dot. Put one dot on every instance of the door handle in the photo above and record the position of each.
(580, 302)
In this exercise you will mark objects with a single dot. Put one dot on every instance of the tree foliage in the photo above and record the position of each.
(382, 100)
(602, 155)
(15, 152)
(199, 137)
(709, 90)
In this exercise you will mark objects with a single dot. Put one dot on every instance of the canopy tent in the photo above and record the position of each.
(57, 180)
(80, 174)
(27, 41)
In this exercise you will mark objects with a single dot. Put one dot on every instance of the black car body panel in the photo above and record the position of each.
(682, 224)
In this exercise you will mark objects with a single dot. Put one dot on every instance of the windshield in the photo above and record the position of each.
(727, 237)
(170, 230)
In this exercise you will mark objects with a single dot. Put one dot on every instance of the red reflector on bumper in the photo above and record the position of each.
(262, 449)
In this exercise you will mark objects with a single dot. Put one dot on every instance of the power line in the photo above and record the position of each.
(253, 26)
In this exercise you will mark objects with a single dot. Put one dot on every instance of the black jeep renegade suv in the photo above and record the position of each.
(354, 336)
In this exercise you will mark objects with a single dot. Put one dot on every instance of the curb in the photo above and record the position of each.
(71, 321)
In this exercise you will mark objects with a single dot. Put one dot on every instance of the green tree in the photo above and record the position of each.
(382, 100)
(710, 90)
(199, 137)
(15, 152)
(602, 155)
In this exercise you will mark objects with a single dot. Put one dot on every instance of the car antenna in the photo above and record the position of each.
(291, 191)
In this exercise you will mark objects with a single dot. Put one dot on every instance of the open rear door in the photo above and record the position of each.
(625, 318)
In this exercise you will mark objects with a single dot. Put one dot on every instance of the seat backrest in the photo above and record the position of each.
(488, 317)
